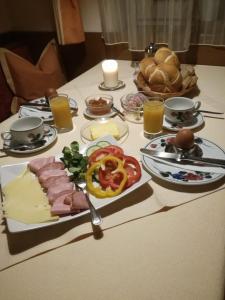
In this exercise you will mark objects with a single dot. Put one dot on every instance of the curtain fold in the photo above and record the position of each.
(68, 22)
(177, 23)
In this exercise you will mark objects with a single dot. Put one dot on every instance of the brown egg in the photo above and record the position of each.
(184, 139)
(50, 92)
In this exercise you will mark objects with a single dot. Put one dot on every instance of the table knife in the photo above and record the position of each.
(37, 107)
(43, 106)
(184, 159)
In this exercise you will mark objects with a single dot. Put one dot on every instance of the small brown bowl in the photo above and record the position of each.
(99, 104)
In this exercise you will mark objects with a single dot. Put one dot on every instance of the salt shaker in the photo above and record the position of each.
(150, 50)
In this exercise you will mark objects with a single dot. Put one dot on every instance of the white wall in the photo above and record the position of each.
(37, 15)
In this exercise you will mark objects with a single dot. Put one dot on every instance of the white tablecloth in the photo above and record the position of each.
(159, 243)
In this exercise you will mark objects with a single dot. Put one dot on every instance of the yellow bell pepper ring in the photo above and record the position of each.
(97, 191)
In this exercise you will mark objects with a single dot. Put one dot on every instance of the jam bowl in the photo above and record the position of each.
(132, 104)
(99, 104)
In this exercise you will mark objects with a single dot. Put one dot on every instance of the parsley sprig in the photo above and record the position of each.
(74, 161)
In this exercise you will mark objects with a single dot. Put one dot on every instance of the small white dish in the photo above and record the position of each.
(188, 175)
(196, 122)
(86, 128)
(9, 172)
(92, 116)
(26, 111)
(49, 137)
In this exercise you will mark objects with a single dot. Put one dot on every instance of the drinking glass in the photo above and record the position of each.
(153, 116)
(61, 112)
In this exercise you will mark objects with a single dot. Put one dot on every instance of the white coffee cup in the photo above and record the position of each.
(25, 131)
(180, 109)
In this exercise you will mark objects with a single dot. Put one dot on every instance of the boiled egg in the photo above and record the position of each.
(184, 139)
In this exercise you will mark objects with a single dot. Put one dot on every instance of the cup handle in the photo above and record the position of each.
(197, 105)
(6, 135)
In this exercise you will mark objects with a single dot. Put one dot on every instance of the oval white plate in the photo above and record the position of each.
(197, 122)
(26, 111)
(49, 137)
(174, 173)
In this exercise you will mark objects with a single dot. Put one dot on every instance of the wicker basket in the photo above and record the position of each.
(144, 87)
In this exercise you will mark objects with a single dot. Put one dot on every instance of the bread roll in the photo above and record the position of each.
(174, 75)
(146, 64)
(159, 80)
(165, 55)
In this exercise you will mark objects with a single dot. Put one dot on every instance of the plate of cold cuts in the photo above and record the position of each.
(39, 193)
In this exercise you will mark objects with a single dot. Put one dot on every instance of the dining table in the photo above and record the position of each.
(161, 241)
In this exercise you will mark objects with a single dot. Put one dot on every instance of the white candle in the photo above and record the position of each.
(110, 72)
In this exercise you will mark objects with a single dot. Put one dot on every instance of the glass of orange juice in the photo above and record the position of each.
(153, 116)
(61, 112)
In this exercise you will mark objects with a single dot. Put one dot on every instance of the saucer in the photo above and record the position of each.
(120, 85)
(49, 137)
(196, 122)
(46, 116)
(92, 116)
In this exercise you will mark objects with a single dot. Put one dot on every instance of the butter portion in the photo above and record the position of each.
(100, 130)
(25, 200)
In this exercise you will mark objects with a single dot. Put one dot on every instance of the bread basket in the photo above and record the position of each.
(143, 86)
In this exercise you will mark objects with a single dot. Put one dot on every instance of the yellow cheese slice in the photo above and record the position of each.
(99, 130)
(25, 200)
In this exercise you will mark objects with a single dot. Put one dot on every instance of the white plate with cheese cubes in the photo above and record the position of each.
(93, 130)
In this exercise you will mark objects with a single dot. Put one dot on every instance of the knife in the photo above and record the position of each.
(37, 107)
(185, 159)
(43, 106)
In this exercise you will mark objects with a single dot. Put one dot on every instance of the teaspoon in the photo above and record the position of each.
(24, 147)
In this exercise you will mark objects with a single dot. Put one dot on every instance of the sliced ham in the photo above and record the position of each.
(56, 165)
(55, 180)
(59, 207)
(79, 201)
(50, 173)
(59, 190)
(38, 163)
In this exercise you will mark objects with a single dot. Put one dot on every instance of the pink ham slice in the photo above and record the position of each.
(50, 173)
(56, 165)
(69, 203)
(59, 190)
(79, 201)
(37, 163)
(59, 207)
(55, 180)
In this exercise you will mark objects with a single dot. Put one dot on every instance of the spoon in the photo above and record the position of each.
(24, 147)
(95, 216)
(211, 112)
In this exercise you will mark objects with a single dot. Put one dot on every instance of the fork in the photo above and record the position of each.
(95, 216)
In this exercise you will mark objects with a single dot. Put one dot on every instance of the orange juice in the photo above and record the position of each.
(153, 115)
(61, 112)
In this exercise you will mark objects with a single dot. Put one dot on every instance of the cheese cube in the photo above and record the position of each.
(100, 130)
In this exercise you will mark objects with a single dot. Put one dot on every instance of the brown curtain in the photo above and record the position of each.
(68, 22)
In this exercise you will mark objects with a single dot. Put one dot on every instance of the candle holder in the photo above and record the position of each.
(120, 85)
(110, 76)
